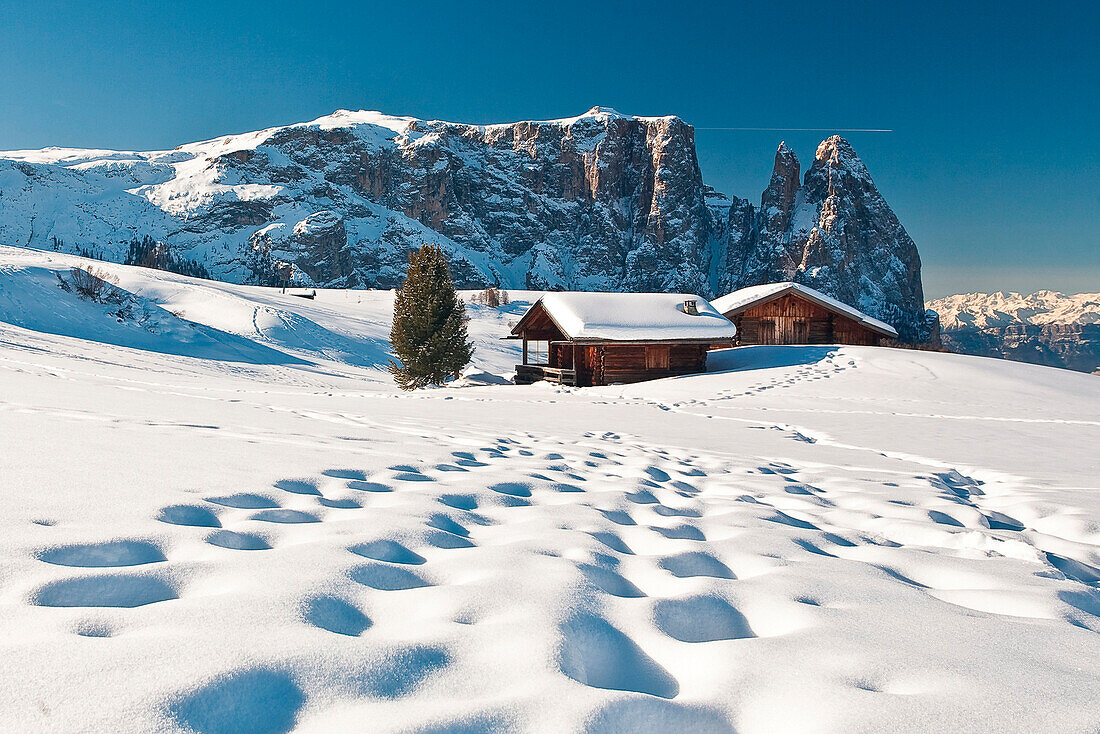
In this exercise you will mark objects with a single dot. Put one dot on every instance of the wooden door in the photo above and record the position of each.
(656, 358)
(801, 332)
(767, 333)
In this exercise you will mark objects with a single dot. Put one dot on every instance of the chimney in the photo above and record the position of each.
(690, 309)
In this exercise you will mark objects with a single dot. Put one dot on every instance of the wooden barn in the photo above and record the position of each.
(589, 339)
(791, 313)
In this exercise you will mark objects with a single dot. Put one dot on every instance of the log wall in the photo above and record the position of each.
(609, 363)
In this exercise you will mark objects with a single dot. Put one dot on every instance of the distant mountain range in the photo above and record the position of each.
(1043, 328)
(602, 201)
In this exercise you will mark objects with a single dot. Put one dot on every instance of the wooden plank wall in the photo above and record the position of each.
(794, 320)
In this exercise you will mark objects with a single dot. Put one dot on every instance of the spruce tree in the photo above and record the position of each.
(429, 324)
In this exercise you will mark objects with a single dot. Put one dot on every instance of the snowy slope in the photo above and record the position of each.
(208, 536)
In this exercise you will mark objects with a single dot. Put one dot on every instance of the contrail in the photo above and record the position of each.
(805, 129)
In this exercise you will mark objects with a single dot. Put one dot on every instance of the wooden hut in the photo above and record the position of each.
(791, 313)
(601, 338)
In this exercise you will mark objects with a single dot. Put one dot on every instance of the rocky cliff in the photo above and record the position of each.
(602, 201)
(832, 231)
(1046, 327)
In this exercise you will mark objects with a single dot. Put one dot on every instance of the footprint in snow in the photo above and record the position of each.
(701, 618)
(344, 504)
(459, 501)
(439, 521)
(695, 563)
(680, 532)
(256, 700)
(447, 541)
(657, 475)
(190, 515)
(285, 516)
(112, 553)
(612, 541)
(666, 511)
(344, 474)
(297, 486)
(514, 489)
(368, 486)
(610, 582)
(335, 615)
(245, 501)
(618, 517)
(597, 654)
(238, 541)
(387, 550)
(411, 477)
(387, 578)
(642, 714)
(109, 590)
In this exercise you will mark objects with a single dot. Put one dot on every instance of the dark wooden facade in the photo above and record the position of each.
(590, 362)
(791, 318)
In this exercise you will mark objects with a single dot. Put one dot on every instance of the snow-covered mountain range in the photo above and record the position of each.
(602, 201)
(1045, 327)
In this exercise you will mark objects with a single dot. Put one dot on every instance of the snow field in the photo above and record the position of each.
(807, 539)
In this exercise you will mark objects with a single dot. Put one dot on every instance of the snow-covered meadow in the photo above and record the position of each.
(218, 515)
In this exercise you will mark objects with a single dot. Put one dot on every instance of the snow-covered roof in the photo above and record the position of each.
(633, 317)
(745, 298)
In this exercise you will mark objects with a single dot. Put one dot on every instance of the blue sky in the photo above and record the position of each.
(992, 167)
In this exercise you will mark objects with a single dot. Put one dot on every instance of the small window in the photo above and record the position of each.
(538, 352)
(656, 358)
(768, 333)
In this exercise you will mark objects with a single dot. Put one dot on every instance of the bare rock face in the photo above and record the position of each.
(836, 233)
(603, 201)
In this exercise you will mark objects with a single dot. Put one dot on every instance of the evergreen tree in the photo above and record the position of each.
(429, 324)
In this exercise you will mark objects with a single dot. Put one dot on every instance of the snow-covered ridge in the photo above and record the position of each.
(984, 310)
(603, 201)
